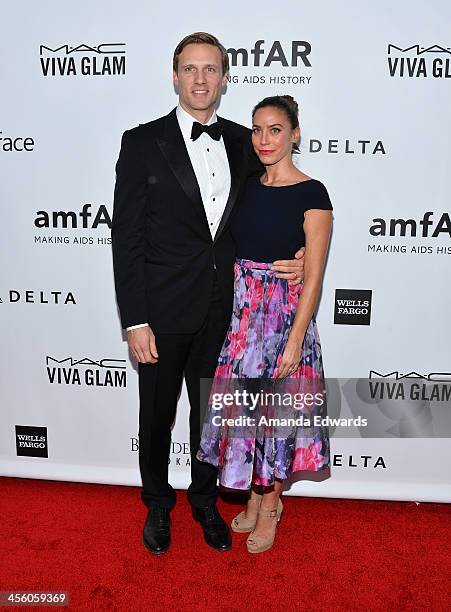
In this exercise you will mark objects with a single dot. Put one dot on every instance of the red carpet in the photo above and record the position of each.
(329, 554)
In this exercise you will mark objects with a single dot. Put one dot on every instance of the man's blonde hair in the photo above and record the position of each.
(201, 38)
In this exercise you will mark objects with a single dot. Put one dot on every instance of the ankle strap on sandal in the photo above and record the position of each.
(268, 513)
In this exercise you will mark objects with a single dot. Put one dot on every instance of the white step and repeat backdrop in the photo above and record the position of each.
(373, 84)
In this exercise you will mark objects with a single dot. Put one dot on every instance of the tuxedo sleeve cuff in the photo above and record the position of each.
(136, 326)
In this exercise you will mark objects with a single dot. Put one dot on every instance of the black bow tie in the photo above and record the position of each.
(214, 130)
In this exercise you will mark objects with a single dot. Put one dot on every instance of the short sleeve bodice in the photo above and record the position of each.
(267, 223)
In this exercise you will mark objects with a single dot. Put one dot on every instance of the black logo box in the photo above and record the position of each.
(353, 301)
(35, 440)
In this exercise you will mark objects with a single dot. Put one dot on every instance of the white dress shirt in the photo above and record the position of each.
(211, 167)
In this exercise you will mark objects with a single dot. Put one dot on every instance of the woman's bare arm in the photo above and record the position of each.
(317, 226)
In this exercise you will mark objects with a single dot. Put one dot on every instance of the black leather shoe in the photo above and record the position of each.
(216, 531)
(156, 532)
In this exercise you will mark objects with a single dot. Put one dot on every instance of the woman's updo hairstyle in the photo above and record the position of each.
(287, 104)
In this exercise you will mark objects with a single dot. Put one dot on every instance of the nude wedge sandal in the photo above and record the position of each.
(258, 544)
(241, 524)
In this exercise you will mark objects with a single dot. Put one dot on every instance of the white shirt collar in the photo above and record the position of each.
(186, 121)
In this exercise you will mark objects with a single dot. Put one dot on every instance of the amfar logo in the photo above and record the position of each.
(104, 372)
(16, 143)
(40, 297)
(87, 218)
(352, 306)
(417, 61)
(430, 228)
(64, 219)
(427, 227)
(297, 50)
(103, 59)
(31, 441)
(275, 54)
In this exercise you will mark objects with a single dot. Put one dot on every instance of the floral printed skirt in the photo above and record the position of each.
(261, 449)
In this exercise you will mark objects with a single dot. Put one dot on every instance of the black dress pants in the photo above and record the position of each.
(193, 356)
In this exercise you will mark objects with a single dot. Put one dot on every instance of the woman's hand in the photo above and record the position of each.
(290, 358)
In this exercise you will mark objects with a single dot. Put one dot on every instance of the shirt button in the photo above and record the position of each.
(213, 173)
(208, 150)
(214, 199)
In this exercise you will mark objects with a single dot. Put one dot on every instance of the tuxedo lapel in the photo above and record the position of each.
(235, 154)
(174, 150)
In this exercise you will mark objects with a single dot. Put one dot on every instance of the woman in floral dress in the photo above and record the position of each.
(272, 342)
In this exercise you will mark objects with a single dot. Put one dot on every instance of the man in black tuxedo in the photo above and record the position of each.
(177, 181)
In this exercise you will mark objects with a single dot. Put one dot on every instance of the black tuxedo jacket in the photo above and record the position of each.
(163, 254)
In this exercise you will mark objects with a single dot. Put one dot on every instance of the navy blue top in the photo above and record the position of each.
(268, 222)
